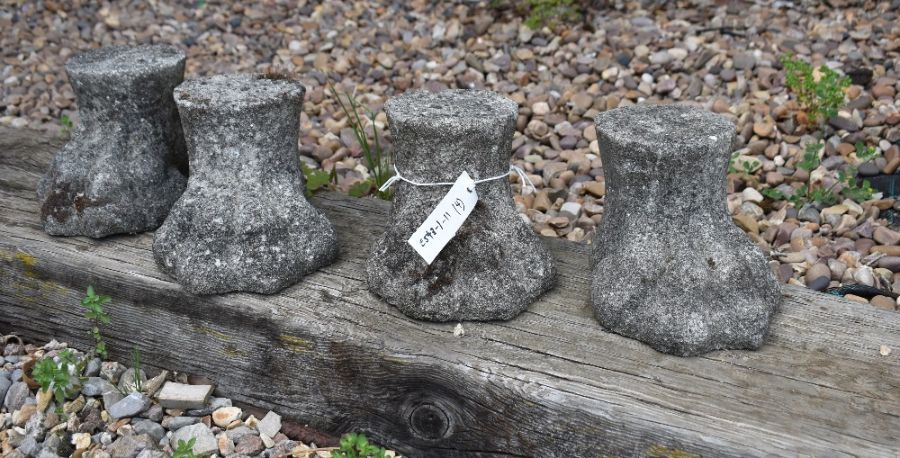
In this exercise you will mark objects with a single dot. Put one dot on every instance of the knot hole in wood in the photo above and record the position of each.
(429, 421)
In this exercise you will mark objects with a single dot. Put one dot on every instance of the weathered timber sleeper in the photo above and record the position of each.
(550, 382)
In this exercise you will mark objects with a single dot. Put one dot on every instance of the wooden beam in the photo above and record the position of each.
(548, 383)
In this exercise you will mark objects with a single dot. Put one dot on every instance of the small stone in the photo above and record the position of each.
(111, 371)
(249, 445)
(20, 416)
(235, 434)
(744, 61)
(665, 86)
(176, 423)
(35, 426)
(155, 413)
(883, 302)
(5, 383)
(92, 369)
(205, 443)
(153, 429)
(885, 236)
(81, 441)
(819, 284)
(224, 416)
(148, 453)
(764, 128)
(838, 209)
(16, 396)
(595, 188)
(660, 57)
(774, 178)
(130, 445)
(385, 60)
(571, 210)
(43, 399)
(268, 442)
(29, 446)
(226, 446)
(129, 406)
(808, 213)
(752, 195)
(721, 106)
(818, 270)
(111, 397)
(842, 123)
(864, 275)
(882, 91)
(270, 425)
(582, 100)
(890, 250)
(181, 396)
(74, 406)
(96, 386)
(540, 108)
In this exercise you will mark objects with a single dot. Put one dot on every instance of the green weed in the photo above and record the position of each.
(55, 375)
(820, 92)
(377, 160)
(847, 185)
(551, 13)
(356, 445)
(94, 305)
(185, 449)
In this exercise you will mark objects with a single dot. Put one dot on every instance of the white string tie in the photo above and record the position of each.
(526, 182)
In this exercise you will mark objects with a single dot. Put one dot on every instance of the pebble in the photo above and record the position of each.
(818, 276)
(129, 406)
(96, 386)
(15, 396)
(224, 416)
(249, 445)
(540, 108)
(151, 428)
(205, 442)
(884, 303)
(270, 424)
(174, 395)
(885, 236)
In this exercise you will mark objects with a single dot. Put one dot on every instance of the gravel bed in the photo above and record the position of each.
(723, 58)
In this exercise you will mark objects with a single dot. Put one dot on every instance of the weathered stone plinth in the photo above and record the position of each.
(495, 266)
(669, 267)
(125, 165)
(244, 223)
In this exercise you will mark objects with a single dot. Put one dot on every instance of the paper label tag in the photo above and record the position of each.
(446, 219)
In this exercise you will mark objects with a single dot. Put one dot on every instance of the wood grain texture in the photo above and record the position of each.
(548, 383)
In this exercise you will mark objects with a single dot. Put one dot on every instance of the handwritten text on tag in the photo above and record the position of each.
(443, 222)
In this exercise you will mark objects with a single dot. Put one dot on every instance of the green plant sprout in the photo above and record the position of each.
(748, 167)
(317, 179)
(185, 449)
(377, 160)
(56, 375)
(136, 367)
(820, 92)
(851, 187)
(66, 124)
(356, 445)
(551, 13)
(94, 305)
